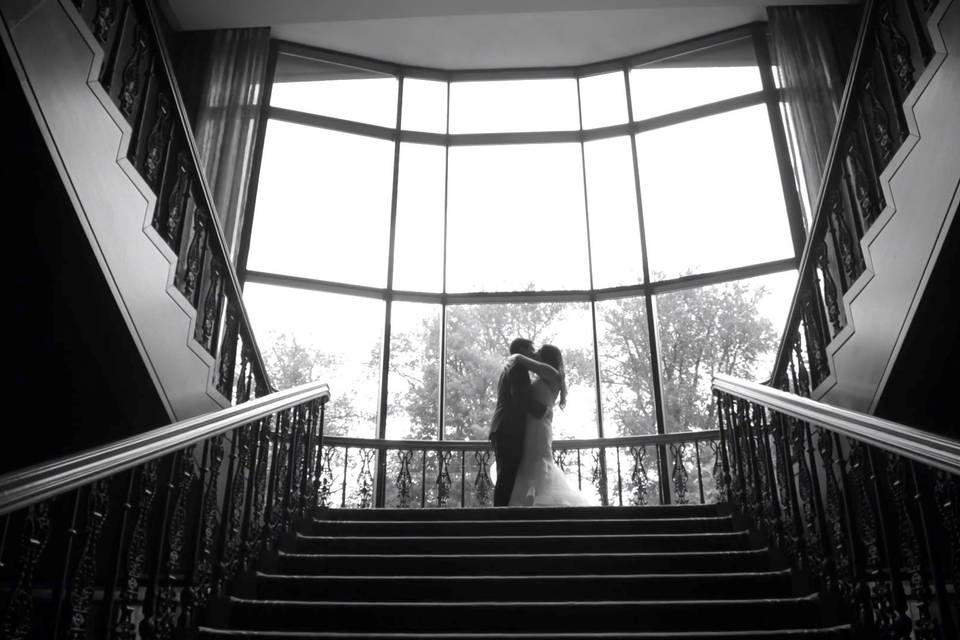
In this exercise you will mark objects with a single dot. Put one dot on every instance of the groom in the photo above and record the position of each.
(514, 402)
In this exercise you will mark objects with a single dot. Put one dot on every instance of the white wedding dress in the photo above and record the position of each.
(540, 482)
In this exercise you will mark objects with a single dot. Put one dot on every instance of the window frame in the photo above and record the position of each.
(770, 95)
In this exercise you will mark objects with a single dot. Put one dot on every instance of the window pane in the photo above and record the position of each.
(514, 105)
(307, 336)
(626, 382)
(424, 105)
(731, 328)
(334, 90)
(614, 226)
(515, 218)
(711, 194)
(323, 205)
(478, 343)
(701, 77)
(603, 100)
(414, 384)
(418, 258)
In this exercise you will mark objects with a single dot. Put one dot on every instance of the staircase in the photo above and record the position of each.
(633, 572)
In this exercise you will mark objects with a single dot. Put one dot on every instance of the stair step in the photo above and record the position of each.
(518, 527)
(524, 544)
(528, 513)
(829, 633)
(513, 564)
(541, 617)
(772, 584)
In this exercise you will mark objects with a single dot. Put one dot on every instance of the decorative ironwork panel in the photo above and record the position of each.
(482, 485)
(81, 593)
(679, 474)
(136, 554)
(18, 618)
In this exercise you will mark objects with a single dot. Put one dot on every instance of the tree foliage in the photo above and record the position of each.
(700, 331)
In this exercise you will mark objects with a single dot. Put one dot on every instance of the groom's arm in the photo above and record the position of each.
(523, 395)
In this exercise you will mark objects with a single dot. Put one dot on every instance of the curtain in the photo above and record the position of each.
(812, 47)
(223, 73)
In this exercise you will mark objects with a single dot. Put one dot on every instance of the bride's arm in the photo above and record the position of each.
(542, 369)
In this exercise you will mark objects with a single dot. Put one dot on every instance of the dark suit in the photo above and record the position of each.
(507, 429)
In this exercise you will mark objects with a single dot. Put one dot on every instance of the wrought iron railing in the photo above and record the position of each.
(892, 51)
(133, 539)
(867, 509)
(137, 75)
(457, 473)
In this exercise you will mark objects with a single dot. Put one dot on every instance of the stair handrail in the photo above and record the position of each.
(869, 130)
(921, 446)
(19, 489)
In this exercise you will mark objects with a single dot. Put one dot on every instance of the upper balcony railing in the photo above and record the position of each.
(892, 50)
(620, 471)
(137, 75)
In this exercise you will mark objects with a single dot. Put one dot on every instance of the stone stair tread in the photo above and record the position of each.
(526, 615)
(531, 604)
(842, 631)
(522, 513)
(560, 576)
(564, 536)
(502, 587)
(619, 554)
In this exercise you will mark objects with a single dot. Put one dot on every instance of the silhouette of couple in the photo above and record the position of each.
(522, 429)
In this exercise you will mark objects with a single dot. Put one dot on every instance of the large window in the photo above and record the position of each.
(631, 213)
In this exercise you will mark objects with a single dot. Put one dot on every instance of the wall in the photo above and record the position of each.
(76, 377)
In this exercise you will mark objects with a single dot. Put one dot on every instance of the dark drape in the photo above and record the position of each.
(812, 48)
(222, 74)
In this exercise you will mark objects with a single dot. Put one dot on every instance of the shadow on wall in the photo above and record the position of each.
(77, 379)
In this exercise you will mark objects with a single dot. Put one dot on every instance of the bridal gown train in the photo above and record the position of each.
(540, 482)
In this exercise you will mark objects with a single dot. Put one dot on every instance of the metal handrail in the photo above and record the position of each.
(481, 445)
(19, 489)
(921, 446)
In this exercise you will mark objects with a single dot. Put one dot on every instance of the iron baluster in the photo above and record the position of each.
(402, 483)
(724, 485)
(148, 623)
(81, 595)
(443, 477)
(423, 479)
(911, 559)
(936, 555)
(18, 618)
(836, 525)
(365, 479)
(343, 488)
(639, 475)
(482, 483)
(166, 618)
(463, 478)
(679, 473)
(773, 508)
(889, 601)
(131, 76)
(136, 554)
(619, 479)
(326, 479)
(62, 588)
(696, 446)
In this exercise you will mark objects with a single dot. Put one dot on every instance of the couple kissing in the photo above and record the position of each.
(522, 429)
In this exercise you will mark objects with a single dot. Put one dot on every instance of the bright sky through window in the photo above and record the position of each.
(517, 216)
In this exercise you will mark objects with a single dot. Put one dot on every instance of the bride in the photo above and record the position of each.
(540, 482)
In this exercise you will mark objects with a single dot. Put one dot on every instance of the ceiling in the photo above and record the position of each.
(467, 34)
